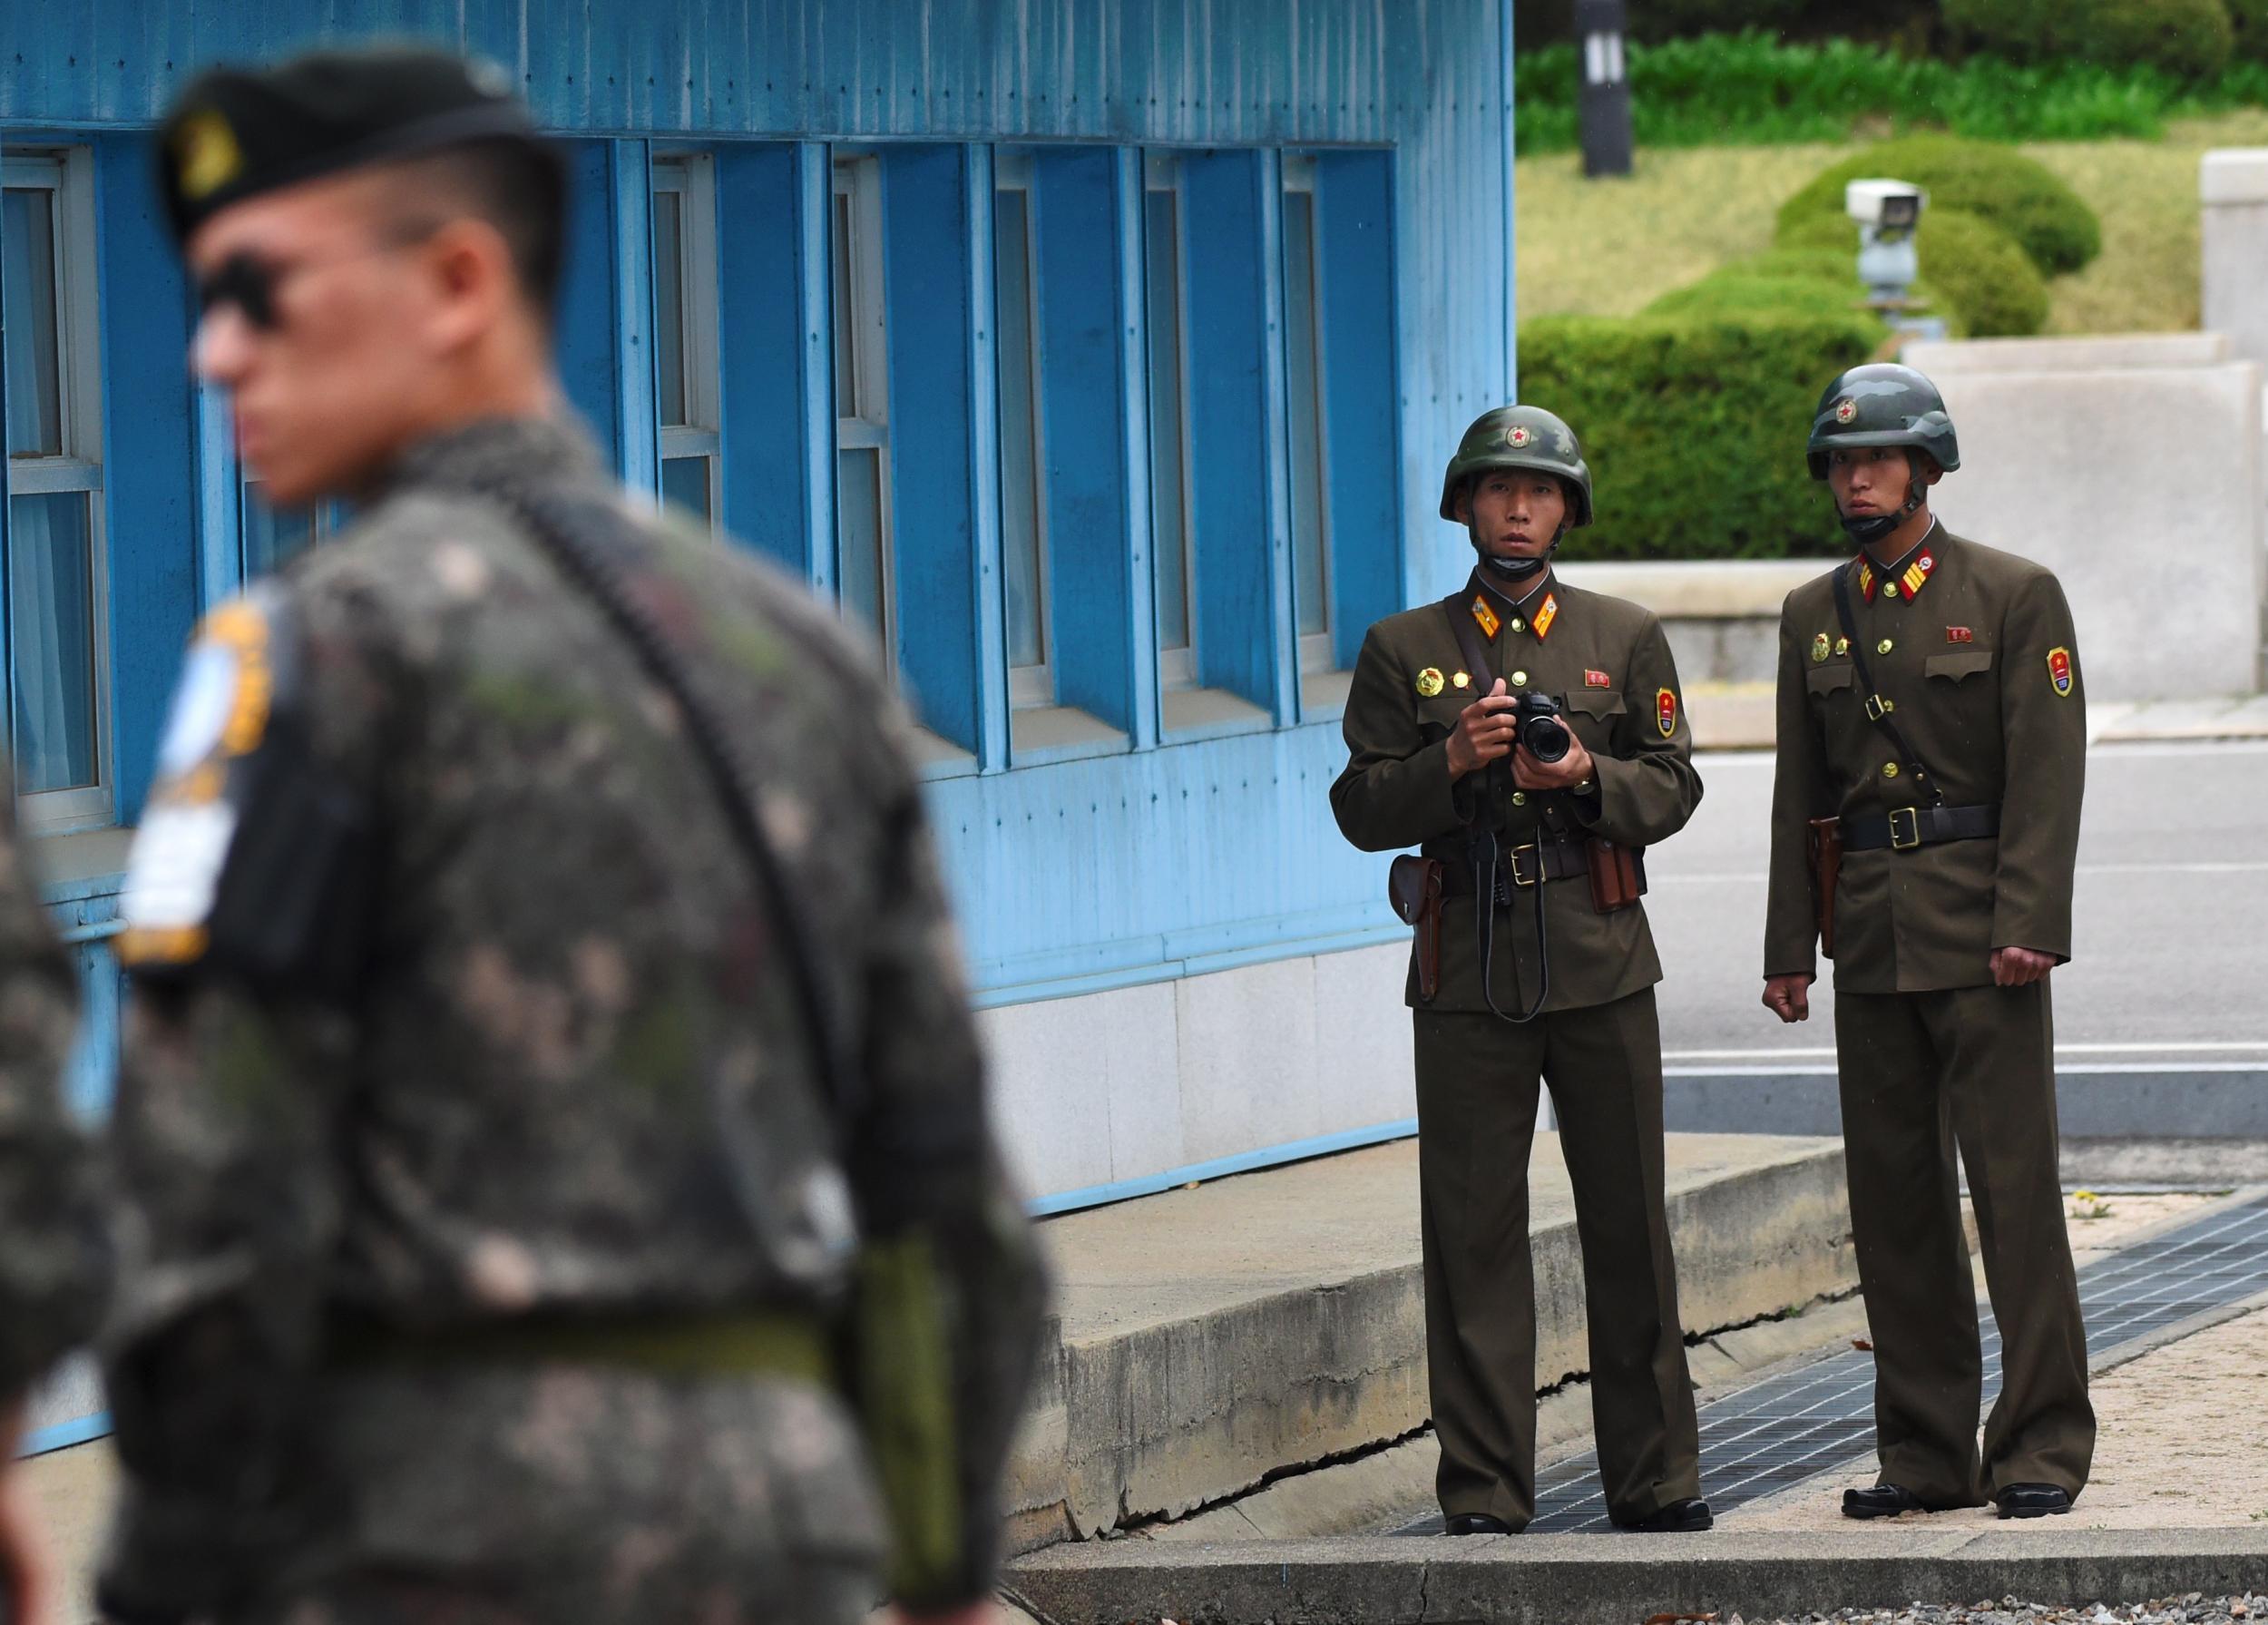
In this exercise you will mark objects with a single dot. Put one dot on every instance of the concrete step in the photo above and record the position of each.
(1212, 1337)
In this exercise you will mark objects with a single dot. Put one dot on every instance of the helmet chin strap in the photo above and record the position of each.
(1866, 529)
(1516, 570)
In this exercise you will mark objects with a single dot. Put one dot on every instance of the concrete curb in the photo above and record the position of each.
(2163, 1102)
(1180, 1414)
(1593, 1580)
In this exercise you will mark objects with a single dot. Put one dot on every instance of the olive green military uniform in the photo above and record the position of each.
(1974, 651)
(1596, 1041)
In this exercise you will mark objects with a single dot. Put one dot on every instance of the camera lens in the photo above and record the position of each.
(1540, 729)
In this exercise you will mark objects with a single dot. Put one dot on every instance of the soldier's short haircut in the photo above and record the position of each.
(518, 187)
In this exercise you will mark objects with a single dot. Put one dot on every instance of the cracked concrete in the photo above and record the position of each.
(1212, 1337)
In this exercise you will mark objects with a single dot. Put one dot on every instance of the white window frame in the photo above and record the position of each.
(692, 178)
(69, 174)
(1316, 650)
(856, 176)
(1161, 173)
(1031, 685)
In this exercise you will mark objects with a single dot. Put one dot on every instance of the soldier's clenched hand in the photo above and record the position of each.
(1531, 772)
(1483, 732)
(2021, 967)
(1789, 997)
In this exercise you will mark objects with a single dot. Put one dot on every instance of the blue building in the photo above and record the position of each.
(1103, 355)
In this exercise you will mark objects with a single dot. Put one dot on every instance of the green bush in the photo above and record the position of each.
(1978, 277)
(1751, 88)
(2020, 196)
(2024, 29)
(2248, 28)
(2189, 39)
(1794, 281)
(1694, 426)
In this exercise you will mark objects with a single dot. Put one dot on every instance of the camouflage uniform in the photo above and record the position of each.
(363, 1367)
(52, 1257)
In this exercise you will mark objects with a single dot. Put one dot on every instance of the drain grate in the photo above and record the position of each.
(1780, 1432)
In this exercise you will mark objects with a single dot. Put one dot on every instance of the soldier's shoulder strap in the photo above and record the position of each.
(1469, 643)
(1870, 700)
(596, 546)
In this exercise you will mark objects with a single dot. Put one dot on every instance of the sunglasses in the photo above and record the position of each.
(247, 282)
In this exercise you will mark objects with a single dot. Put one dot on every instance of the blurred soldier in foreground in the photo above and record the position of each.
(53, 1258)
(1925, 824)
(1532, 776)
(550, 1035)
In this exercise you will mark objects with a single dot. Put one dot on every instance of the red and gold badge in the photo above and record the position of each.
(1665, 712)
(1486, 616)
(1959, 635)
(1596, 679)
(2061, 675)
(1846, 411)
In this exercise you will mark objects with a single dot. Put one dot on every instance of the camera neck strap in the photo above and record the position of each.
(1486, 849)
(1876, 706)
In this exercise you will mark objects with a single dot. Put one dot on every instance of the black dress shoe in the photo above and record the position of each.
(1679, 1517)
(1465, 1524)
(1882, 1501)
(2032, 1501)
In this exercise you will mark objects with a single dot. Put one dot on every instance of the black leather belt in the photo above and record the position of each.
(1558, 860)
(1906, 827)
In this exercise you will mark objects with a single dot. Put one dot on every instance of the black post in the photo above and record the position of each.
(1603, 101)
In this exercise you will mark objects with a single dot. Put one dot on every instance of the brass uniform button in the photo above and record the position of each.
(1890, 769)
(1890, 589)
(1460, 681)
(1520, 798)
(1520, 677)
(1885, 647)
(1518, 624)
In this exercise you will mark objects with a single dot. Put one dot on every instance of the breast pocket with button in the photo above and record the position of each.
(1594, 717)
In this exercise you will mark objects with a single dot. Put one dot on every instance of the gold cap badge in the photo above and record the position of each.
(206, 152)
(1429, 683)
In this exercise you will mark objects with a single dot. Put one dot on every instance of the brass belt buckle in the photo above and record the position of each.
(1535, 853)
(1912, 836)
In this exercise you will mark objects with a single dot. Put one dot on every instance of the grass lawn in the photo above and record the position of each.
(1607, 247)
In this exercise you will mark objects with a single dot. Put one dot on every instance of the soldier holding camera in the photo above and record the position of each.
(1530, 739)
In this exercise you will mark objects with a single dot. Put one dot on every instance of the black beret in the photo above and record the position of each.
(236, 132)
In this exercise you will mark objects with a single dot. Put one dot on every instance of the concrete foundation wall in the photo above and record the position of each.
(2233, 185)
(2101, 458)
(1099, 1095)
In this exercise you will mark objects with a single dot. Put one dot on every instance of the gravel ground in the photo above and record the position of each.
(2192, 1609)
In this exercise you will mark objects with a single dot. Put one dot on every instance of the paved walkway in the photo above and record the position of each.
(1738, 716)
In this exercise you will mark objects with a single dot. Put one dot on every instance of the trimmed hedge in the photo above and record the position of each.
(1977, 276)
(1694, 426)
(2248, 27)
(2021, 197)
(2190, 39)
(1796, 281)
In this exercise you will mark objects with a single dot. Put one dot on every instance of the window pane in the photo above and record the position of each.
(52, 623)
(27, 264)
(272, 539)
(1170, 519)
(846, 401)
(685, 484)
(1019, 430)
(668, 306)
(858, 530)
(1310, 591)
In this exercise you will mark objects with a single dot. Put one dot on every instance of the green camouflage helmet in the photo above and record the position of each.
(1521, 437)
(1883, 404)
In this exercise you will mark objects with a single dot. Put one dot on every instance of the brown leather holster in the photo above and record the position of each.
(1618, 874)
(1413, 885)
(1826, 855)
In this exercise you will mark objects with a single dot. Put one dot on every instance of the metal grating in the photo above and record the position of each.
(1778, 1434)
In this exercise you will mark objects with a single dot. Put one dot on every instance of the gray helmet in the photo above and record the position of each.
(1521, 437)
(1883, 404)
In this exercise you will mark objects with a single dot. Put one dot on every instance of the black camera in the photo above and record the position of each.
(1536, 723)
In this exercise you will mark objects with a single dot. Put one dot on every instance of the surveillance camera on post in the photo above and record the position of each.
(1887, 212)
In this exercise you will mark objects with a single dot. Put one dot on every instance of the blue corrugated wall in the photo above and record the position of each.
(1150, 858)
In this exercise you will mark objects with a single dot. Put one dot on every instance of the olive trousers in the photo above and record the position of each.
(1922, 1074)
(1477, 1082)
